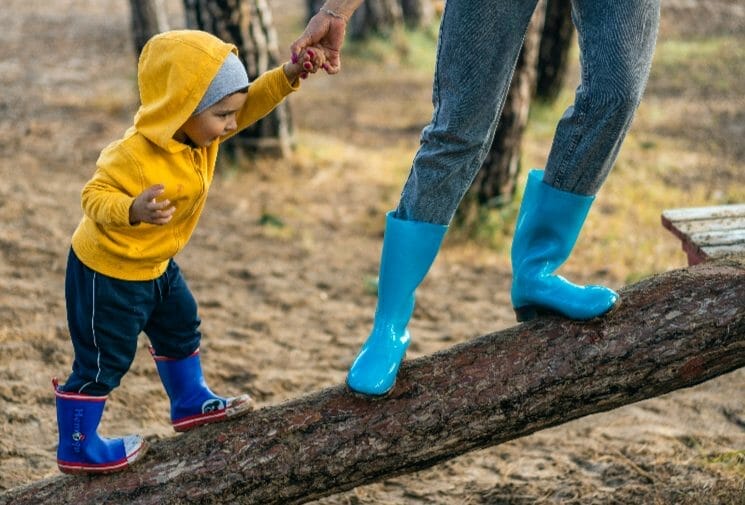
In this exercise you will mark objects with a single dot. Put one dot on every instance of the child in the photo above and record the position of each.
(140, 208)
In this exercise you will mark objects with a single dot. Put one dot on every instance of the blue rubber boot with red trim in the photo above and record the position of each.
(81, 449)
(192, 402)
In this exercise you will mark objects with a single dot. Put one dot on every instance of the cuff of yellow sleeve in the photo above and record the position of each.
(283, 83)
(120, 211)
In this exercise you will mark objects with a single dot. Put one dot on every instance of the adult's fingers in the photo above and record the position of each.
(333, 63)
(304, 41)
(317, 28)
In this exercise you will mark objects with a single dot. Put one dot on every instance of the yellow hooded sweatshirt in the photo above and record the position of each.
(174, 72)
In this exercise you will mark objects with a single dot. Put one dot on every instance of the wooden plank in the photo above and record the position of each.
(702, 225)
(722, 251)
(708, 232)
(715, 212)
(713, 238)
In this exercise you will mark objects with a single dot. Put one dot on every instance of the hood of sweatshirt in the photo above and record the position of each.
(174, 71)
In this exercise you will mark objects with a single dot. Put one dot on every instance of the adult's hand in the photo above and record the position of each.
(326, 32)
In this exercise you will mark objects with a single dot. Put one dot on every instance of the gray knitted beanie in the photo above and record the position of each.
(230, 78)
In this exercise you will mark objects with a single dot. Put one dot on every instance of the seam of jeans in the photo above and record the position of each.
(436, 77)
(579, 109)
(93, 334)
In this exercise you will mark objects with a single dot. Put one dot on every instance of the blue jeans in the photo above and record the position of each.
(478, 47)
(105, 317)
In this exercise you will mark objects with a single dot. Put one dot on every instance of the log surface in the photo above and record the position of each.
(671, 331)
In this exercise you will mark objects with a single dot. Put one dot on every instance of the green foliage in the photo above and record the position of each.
(414, 49)
(370, 285)
(543, 116)
(271, 220)
(488, 227)
(733, 461)
(711, 66)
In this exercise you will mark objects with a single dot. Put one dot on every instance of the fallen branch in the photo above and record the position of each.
(672, 331)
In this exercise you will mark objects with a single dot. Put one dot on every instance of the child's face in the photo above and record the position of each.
(213, 122)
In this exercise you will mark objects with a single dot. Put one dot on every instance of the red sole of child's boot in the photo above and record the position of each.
(239, 407)
(77, 469)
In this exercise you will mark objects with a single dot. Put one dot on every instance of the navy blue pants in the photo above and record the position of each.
(105, 317)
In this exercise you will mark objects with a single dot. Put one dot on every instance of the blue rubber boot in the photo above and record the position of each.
(409, 248)
(81, 449)
(547, 228)
(192, 402)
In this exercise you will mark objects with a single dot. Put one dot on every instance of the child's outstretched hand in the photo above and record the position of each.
(308, 62)
(146, 209)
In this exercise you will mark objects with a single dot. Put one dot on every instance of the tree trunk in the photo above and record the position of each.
(148, 19)
(418, 13)
(672, 331)
(496, 181)
(313, 6)
(553, 55)
(248, 24)
(383, 15)
(375, 17)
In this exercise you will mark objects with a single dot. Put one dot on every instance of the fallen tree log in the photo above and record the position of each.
(672, 331)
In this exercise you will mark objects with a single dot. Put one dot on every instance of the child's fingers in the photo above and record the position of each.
(310, 61)
(156, 205)
(153, 191)
(165, 212)
(160, 221)
(310, 68)
(161, 216)
(316, 57)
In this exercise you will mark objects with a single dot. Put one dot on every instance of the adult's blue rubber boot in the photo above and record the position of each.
(409, 248)
(192, 402)
(81, 449)
(547, 228)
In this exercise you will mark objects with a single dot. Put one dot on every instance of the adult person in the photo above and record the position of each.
(478, 46)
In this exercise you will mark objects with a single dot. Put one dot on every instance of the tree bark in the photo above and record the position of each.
(383, 15)
(553, 55)
(496, 182)
(313, 6)
(148, 18)
(418, 13)
(671, 331)
(375, 17)
(248, 24)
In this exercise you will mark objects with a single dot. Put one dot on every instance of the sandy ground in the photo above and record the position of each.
(285, 309)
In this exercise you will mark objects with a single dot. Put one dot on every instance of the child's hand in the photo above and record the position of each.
(145, 209)
(308, 62)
